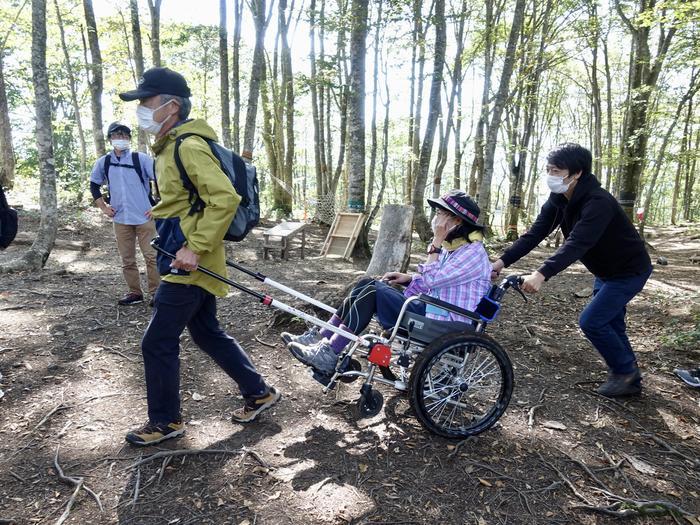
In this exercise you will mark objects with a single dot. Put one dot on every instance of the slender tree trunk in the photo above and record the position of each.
(73, 90)
(689, 176)
(373, 126)
(7, 152)
(236, 74)
(499, 104)
(287, 100)
(664, 144)
(257, 8)
(421, 223)
(315, 111)
(223, 69)
(595, 92)
(94, 68)
(138, 60)
(154, 9)
(38, 253)
(356, 107)
(645, 74)
(609, 117)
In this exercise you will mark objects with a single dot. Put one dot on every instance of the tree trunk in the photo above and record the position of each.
(692, 89)
(609, 117)
(595, 92)
(257, 8)
(316, 110)
(7, 152)
(287, 103)
(456, 78)
(138, 61)
(236, 73)
(73, 90)
(356, 108)
(392, 250)
(689, 176)
(385, 154)
(223, 69)
(38, 253)
(499, 104)
(94, 69)
(421, 223)
(373, 126)
(645, 74)
(154, 8)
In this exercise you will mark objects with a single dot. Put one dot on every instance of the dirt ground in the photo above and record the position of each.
(73, 385)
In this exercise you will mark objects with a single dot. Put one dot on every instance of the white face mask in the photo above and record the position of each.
(145, 118)
(557, 184)
(121, 144)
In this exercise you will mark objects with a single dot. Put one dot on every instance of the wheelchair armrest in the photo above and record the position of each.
(449, 307)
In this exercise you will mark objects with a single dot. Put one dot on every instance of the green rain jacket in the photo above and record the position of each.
(204, 231)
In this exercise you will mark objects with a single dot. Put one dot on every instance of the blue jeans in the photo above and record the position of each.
(177, 306)
(603, 320)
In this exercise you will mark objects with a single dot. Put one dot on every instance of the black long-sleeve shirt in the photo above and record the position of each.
(597, 232)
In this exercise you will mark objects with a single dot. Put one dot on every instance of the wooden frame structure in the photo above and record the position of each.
(343, 234)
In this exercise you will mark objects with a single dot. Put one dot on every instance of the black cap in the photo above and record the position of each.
(118, 126)
(461, 204)
(159, 81)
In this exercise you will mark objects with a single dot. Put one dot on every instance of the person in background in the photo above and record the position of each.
(128, 177)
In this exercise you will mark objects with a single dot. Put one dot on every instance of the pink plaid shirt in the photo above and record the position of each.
(461, 277)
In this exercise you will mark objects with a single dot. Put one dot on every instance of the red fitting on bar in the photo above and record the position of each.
(267, 300)
(380, 355)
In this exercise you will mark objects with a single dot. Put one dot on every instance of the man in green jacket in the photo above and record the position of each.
(186, 297)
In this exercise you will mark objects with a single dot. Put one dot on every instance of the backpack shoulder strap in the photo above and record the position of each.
(196, 204)
(136, 162)
(107, 164)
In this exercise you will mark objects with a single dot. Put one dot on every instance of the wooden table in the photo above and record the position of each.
(280, 237)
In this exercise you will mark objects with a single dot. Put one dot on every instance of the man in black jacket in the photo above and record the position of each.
(599, 234)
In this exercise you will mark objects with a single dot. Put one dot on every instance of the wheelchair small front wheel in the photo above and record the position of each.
(370, 404)
(461, 384)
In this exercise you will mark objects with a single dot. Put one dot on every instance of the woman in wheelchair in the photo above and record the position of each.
(457, 271)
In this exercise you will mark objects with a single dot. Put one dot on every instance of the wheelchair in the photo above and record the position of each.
(458, 379)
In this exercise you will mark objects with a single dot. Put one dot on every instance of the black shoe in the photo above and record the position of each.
(130, 299)
(150, 434)
(690, 376)
(622, 385)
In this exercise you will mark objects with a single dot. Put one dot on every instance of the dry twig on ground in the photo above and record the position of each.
(78, 484)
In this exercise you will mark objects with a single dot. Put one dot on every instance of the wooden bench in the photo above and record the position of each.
(280, 237)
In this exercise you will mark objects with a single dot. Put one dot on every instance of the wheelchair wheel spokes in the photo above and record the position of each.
(461, 384)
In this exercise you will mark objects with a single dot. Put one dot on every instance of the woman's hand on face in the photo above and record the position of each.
(396, 278)
(444, 224)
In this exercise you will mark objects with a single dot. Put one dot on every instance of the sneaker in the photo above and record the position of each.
(150, 434)
(690, 377)
(254, 405)
(131, 298)
(319, 356)
(621, 385)
(310, 337)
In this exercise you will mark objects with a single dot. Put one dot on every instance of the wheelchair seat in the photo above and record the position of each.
(425, 330)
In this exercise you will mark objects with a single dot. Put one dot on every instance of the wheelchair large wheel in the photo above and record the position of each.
(461, 384)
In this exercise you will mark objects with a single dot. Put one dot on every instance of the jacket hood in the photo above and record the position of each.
(198, 126)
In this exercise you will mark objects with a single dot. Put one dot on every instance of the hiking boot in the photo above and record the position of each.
(621, 385)
(310, 337)
(150, 433)
(690, 377)
(319, 356)
(131, 298)
(254, 405)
